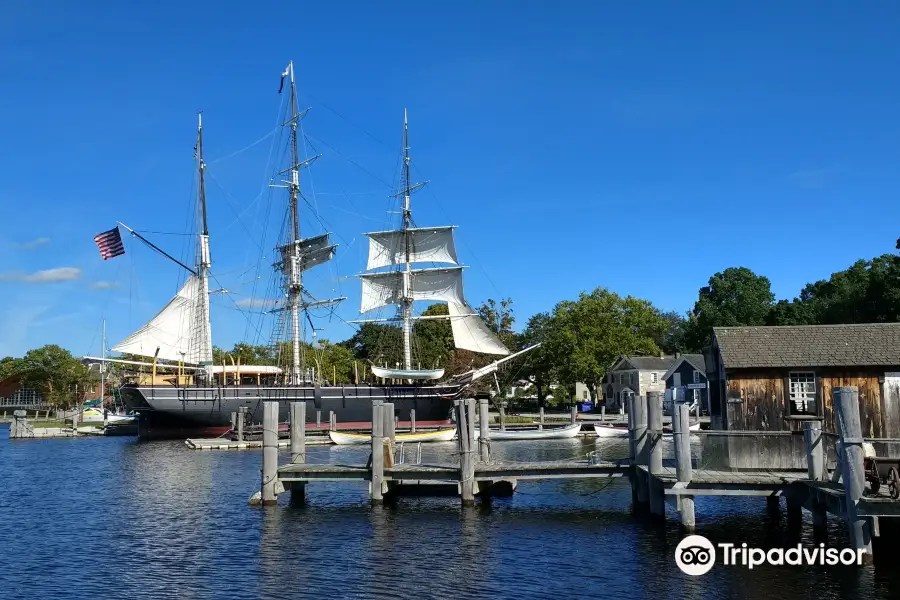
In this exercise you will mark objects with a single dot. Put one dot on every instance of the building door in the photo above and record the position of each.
(891, 405)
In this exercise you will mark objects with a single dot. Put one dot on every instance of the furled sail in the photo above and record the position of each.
(426, 244)
(172, 329)
(310, 253)
(381, 289)
(470, 332)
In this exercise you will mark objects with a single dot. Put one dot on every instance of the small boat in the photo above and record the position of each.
(96, 415)
(553, 433)
(441, 435)
(608, 431)
(667, 430)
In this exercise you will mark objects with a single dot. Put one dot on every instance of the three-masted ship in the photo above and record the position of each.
(186, 394)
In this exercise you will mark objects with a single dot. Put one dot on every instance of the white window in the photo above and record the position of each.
(802, 393)
(697, 376)
(654, 378)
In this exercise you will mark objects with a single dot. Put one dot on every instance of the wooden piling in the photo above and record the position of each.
(298, 447)
(390, 436)
(655, 460)
(639, 405)
(846, 403)
(390, 423)
(573, 414)
(377, 493)
(815, 450)
(240, 418)
(484, 431)
(332, 421)
(412, 420)
(681, 419)
(270, 453)
(298, 432)
(19, 426)
(541, 419)
(502, 416)
(815, 462)
(318, 420)
(602, 413)
(466, 469)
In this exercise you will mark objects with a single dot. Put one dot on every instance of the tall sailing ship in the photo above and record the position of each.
(196, 397)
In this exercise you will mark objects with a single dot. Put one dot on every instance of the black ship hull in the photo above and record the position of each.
(167, 412)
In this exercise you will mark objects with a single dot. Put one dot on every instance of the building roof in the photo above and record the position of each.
(646, 363)
(869, 344)
(695, 360)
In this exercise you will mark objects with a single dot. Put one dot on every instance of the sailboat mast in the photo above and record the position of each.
(205, 334)
(103, 365)
(407, 218)
(296, 273)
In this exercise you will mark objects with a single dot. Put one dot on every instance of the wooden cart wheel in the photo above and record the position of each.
(894, 483)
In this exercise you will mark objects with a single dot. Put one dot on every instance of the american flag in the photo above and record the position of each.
(110, 243)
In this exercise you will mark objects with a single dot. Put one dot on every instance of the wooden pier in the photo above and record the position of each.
(800, 476)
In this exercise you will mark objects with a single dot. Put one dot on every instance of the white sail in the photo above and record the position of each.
(426, 244)
(470, 332)
(172, 329)
(381, 289)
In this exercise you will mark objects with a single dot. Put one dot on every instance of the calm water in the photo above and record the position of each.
(109, 517)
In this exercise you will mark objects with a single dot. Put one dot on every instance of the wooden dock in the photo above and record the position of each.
(654, 480)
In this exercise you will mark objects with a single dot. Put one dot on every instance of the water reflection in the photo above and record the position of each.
(111, 518)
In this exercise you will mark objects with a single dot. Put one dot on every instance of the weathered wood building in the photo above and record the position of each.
(775, 378)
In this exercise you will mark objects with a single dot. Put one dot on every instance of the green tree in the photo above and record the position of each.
(248, 354)
(675, 338)
(55, 373)
(376, 344)
(791, 312)
(586, 336)
(10, 366)
(537, 365)
(735, 296)
(499, 318)
(432, 339)
(866, 292)
(333, 362)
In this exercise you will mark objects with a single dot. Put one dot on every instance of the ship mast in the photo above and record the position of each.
(205, 334)
(296, 284)
(299, 254)
(407, 300)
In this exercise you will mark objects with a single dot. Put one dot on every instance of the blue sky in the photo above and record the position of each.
(576, 145)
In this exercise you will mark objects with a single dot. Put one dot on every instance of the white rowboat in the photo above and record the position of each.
(552, 433)
(607, 431)
(442, 435)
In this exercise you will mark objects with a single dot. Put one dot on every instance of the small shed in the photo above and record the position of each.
(775, 378)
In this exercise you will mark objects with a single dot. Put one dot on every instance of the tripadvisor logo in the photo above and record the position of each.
(695, 555)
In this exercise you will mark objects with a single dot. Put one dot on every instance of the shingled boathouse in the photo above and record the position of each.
(775, 378)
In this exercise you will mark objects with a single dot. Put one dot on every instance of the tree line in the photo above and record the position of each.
(579, 339)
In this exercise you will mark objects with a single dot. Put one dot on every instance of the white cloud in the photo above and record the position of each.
(104, 285)
(255, 303)
(46, 276)
(34, 243)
